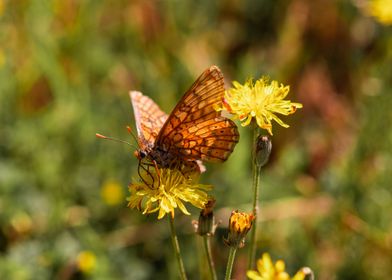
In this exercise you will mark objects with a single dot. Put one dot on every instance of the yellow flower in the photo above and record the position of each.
(260, 100)
(239, 225)
(381, 10)
(167, 191)
(86, 261)
(267, 270)
(112, 193)
(2, 7)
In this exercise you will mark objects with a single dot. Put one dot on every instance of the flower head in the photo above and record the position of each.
(86, 261)
(381, 10)
(167, 189)
(112, 193)
(239, 225)
(267, 270)
(260, 100)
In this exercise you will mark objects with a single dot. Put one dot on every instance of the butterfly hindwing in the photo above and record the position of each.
(195, 130)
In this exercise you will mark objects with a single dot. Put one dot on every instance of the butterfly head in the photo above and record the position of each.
(140, 154)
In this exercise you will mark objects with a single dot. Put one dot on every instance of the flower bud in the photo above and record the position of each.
(263, 150)
(206, 224)
(239, 225)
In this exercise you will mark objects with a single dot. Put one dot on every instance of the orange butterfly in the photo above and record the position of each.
(192, 133)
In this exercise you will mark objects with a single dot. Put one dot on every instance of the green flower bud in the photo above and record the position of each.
(206, 224)
(263, 150)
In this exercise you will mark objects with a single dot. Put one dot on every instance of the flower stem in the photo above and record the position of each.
(211, 265)
(256, 188)
(176, 247)
(230, 262)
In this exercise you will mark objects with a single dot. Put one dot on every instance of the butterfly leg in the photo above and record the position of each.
(156, 168)
(148, 172)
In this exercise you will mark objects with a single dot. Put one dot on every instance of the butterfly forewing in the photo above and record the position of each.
(195, 130)
(149, 119)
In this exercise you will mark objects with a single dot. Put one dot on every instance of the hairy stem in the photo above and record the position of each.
(176, 247)
(211, 265)
(256, 189)
(230, 262)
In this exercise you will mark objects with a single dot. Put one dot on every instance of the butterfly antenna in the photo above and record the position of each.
(129, 129)
(114, 139)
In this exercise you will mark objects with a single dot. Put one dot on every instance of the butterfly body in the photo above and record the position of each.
(192, 133)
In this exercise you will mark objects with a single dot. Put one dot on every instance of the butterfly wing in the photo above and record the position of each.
(195, 130)
(148, 117)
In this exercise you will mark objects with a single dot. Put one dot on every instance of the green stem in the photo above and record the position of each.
(211, 265)
(176, 247)
(256, 189)
(230, 262)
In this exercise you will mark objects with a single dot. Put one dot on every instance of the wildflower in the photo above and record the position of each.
(267, 270)
(2, 7)
(167, 191)
(381, 10)
(112, 193)
(239, 225)
(260, 100)
(86, 261)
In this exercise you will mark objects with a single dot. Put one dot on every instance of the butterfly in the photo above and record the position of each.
(194, 132)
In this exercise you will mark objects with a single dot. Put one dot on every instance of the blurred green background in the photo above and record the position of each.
(65, 70)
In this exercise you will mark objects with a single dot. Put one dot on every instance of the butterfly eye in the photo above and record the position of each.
(139, 154)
